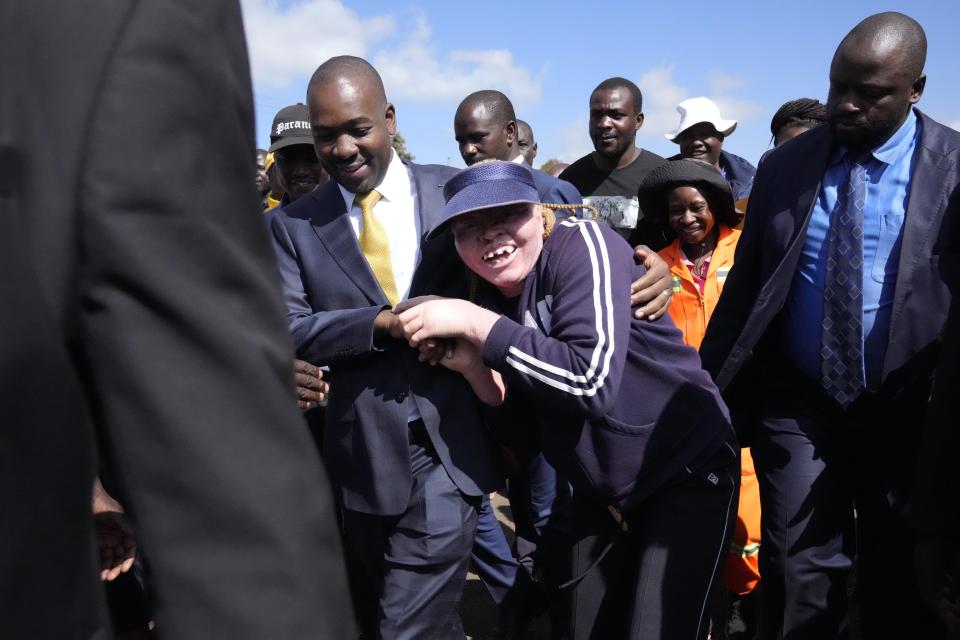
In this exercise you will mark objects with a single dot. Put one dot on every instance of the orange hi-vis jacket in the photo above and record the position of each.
(691, 312)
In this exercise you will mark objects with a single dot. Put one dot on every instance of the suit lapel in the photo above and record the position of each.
(429, 204)
(794, 228)
(332, 226)
(782, 243)
(928, 199)
(429, 198)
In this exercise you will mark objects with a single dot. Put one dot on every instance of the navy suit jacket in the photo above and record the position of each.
(332, 298)
(743, 329)
(936, 498)
(554, 190)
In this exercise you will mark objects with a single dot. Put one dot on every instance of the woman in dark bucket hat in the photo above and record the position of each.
(624, 410)
(694, 203)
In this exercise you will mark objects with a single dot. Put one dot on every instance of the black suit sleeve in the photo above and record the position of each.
(182, 344)
(935, 503)
(743, 282)
(567, 193)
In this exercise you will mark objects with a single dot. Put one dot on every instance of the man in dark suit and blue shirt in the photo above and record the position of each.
(825, 339)
(405, 448)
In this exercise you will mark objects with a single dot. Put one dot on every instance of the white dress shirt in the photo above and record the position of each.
(398, 212)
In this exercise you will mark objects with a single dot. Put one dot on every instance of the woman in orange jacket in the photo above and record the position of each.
(697, 205)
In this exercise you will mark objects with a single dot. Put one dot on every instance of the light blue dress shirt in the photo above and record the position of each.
(887, 194)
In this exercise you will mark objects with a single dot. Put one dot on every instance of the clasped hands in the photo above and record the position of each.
(452, 333)
(441, 329)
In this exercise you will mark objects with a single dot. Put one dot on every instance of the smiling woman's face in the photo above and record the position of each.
(501, 245)
(689, 215)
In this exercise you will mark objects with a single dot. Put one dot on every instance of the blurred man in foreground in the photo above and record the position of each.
(142, 321)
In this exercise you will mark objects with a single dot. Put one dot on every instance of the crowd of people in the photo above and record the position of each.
(720, 398)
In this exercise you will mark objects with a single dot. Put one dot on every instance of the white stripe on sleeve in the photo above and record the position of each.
(588, 383)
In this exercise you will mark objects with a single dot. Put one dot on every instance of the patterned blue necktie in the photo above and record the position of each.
(841, 344)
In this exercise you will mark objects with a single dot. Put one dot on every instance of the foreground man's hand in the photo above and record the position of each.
(115, 540)
(312, 389)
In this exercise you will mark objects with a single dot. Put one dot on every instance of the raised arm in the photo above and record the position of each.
(579, 362)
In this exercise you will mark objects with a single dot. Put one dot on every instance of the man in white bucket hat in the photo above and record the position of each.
(700, 135)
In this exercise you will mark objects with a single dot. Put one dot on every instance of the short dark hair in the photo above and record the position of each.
(347, 67)
(802, 112)
(497, 104)
(622, 83)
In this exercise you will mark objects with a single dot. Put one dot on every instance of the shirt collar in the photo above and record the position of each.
(395, 184)
(891, 151)
(518, 160)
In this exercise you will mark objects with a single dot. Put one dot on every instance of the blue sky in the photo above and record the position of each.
(750, 56)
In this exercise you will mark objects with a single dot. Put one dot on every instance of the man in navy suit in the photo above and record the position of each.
(825, 339)
(404, 444)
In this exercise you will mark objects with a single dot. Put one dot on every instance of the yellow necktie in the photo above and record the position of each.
(375, 247)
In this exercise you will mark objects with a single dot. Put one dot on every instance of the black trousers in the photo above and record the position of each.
(656, 580)
(826, 480)
(415, 563)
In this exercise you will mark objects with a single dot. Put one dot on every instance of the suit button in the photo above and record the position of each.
(401, 397)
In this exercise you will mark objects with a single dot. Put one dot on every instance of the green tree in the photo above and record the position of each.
(549, 164)
(400, 146)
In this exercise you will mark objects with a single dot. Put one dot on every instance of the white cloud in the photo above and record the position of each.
(661, 94)
(570, 142)
(287, 43)
(660, 98)
(722, 83)
(954, 124)
(738, 109)
(416, 71)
